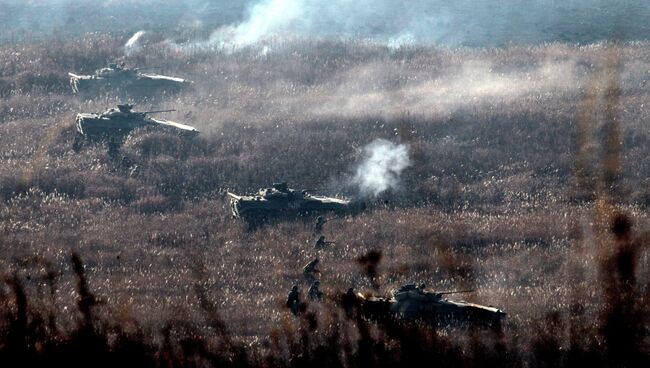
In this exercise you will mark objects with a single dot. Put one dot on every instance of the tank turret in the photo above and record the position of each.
(282, 187)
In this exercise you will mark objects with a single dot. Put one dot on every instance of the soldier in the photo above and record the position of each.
(125, 108)
(318, 227)
(314, 292)
(321, 243)
(349, 301)
(113, 146)
(293, 299)
(310, 270)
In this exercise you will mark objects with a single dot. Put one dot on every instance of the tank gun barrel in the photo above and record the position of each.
(157, 111)
(456, 292)
(149, 69)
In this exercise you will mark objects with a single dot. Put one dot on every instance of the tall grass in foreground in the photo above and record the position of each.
(323, 336)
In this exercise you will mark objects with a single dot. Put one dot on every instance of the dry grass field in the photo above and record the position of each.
(528, 181)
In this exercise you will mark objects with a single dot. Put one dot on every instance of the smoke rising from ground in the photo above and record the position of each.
(433, 22)
(393, 23)
(381, 167)
(134, 43)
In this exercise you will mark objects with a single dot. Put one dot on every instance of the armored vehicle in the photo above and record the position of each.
(116, 123)
(411, 302)
(132, 82)
(280, 200)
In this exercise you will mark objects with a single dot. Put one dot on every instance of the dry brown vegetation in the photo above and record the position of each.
(505, 195)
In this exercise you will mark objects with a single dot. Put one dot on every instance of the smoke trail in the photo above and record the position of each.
(381, 168)
(134, 44)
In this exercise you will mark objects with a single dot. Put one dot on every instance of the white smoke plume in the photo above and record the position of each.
(430, 22)
(267, 19)
(134, 43)
(239, 23)
(381, 168)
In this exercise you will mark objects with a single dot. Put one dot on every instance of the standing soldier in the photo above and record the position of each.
(310, 270)
(349, 301)
(314, 292)
(293, 300)
(321, 243)
(318, 227)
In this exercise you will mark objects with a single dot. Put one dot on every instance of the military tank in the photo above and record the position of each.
(128, 81)
(115, 124)
(280, 200)
(411, 302)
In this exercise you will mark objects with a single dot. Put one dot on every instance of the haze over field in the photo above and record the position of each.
(224, 23)
(494, 146)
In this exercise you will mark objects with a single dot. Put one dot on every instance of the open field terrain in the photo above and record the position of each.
(527, 180)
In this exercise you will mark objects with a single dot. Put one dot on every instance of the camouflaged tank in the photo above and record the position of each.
(280, 200)
(115, 124)
(411, 302)
(125, 81)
